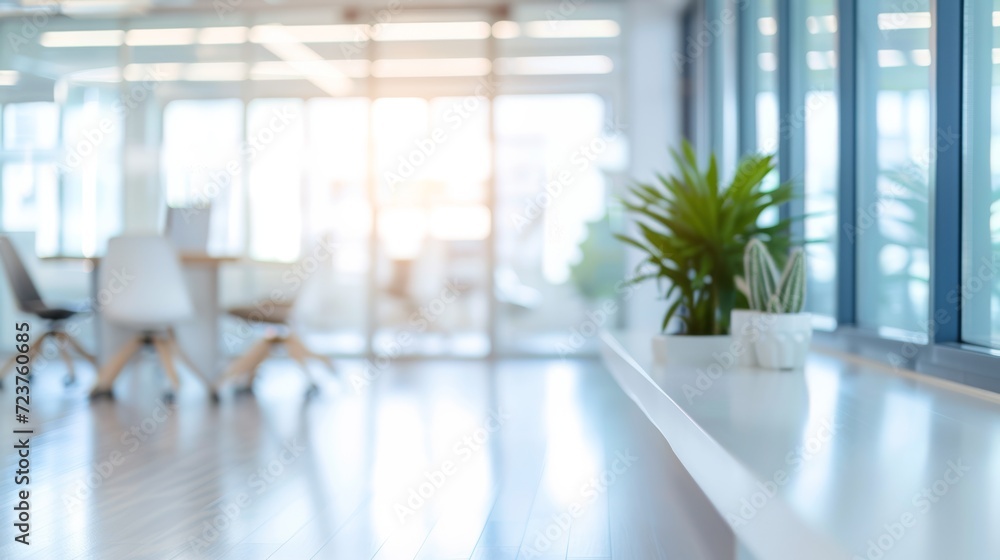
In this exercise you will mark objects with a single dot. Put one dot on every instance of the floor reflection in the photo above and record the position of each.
(432, 459)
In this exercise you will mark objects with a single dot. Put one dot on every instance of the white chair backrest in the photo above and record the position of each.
(142, 284)
(189, 228)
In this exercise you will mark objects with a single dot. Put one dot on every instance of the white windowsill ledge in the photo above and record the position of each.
(829, 462)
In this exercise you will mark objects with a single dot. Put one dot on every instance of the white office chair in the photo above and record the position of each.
(153, 301)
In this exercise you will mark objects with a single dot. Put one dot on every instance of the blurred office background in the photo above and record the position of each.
(474, 146)
(472, 142)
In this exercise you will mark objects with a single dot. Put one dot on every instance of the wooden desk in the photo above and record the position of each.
(199, 337)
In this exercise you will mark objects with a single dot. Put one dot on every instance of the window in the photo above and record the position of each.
(434, 222)
(980, 295)
(338, 210)
(898, 222)
(275, 154)
(31, 126)
(816, 35)
(91, 165)
(202, 165)
(555, 154)
(894, 160)
(761, 81)
(764, 78)
(29, 177)
(27, 187)
(60, 176)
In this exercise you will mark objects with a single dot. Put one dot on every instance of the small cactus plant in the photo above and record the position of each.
(768, 291)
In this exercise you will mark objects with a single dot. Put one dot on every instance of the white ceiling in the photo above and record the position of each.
(40, 66)
(111, 8)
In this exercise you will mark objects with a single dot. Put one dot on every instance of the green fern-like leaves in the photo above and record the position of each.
(693, 230)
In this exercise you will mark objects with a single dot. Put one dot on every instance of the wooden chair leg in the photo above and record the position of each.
(175, 347)
(300, 354)
(248, 362)
(164, 351)
(325, 360)
(79, 348)
(293, 340)
(109, 372)
(35, 347)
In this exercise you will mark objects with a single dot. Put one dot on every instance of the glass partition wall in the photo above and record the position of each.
(408, 160)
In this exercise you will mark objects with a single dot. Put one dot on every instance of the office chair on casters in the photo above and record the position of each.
(30, 301)
(151, 305)
(277, 317)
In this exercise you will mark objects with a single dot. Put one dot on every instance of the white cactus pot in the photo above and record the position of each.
(744, 325)
(783, 340)
(691, 351)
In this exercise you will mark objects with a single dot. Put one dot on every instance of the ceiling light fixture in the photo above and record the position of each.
(430, 67)
(9, 77)
(434, 31)
(275, 33)
(554, 65)
(160, 37)
(572, 29)
(506, 29)
(222, 35)
(281, 70)
(304, 60)
(96, 38)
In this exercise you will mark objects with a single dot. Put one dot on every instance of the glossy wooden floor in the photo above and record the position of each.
(410, 466)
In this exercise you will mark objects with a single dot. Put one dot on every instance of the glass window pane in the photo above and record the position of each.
(31, 126)
(201, 164)
(980, 294)
(766, 76)
(338, 211)
(91, 194)
(275, 150)
(894, 157)
(820, 110)
(29, 192)
(433, 167)
(556, 257)
(765, 87)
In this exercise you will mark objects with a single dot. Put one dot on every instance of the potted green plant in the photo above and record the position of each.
(780, 331)
(692, 231)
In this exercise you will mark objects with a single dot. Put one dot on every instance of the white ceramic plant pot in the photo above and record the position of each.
(784, 340)
(685, 350)
(744, 325)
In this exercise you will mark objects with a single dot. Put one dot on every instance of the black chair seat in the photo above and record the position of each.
(25, 292)
(54, 313)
